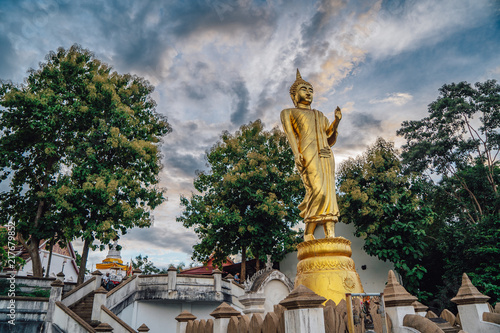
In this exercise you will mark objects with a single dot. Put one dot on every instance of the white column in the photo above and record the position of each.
(172, 278)
(182, 321)
(99, 300)
(56, 288)
(217, 274)
(303, 312)
(471, 318)
(135, 310)
(304, 320)
(397, 314)
(98, 279)
(471, 306)
(222, 315)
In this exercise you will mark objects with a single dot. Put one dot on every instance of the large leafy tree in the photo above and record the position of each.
(79, 148)
(458, 144)
(386, 209)
(248, 197)
(146, 265)
(8, 243)
(461, 131)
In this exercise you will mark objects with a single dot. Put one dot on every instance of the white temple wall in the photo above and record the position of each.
(275, 291)
(159, 316)
(56, 266)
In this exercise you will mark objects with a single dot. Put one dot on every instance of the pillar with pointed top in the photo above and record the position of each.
(303, 313)
(398, 302)
(182, 321)
(472, 307)
(222, 315)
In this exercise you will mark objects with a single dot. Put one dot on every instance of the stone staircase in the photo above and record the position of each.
(83, 308)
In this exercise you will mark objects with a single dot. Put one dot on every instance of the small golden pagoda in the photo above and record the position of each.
(113, 262)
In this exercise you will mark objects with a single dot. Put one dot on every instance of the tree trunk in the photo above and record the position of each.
(34, 243)
(85, 254)
(257, 262)
(36, 262)
(243, 264)
(34, 251)
(50, 257)
(35, 257)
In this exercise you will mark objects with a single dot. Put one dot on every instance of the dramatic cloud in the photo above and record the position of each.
(408, 25)
(156, 237)
(358, 130)
(6, 58)
(218, 64)
(394, 98)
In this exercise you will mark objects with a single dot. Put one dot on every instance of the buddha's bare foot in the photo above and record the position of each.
(309, 237)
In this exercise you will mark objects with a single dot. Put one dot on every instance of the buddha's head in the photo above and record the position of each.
(301, 92)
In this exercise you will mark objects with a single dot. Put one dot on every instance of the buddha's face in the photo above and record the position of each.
(304, 96)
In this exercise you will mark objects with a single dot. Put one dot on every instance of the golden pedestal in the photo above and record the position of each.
(325, 266)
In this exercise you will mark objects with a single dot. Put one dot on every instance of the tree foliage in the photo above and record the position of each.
(460, 131)
(248, 198)
(79, 148)
(8, 243)
(386, 209)
(458, 142)
(146, 265)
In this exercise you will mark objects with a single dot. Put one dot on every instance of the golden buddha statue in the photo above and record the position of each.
(325, 265)
(311, 135)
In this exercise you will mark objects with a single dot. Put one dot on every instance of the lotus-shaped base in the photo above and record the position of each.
(325, 266)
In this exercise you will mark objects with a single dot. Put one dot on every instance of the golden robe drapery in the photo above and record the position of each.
(310, 135)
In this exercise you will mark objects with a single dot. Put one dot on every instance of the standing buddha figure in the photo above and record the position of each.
(310, 135)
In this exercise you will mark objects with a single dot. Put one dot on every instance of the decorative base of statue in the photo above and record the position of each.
(326, 267)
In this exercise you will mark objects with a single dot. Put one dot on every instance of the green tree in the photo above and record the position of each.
(460, 131)
(80, 150)
(8, 243)
(248, 198)
(146, 265)
(458, 142)
(386, 209)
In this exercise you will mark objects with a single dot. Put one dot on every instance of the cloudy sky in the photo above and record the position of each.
(218, 64)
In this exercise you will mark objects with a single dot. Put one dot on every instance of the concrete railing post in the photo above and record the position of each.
(172, 278)
(217, 274)
(56, 289)
(471, 306)
(303, 313)
(103, 328)
(182, 321)
(143, 328)
(398, 302)
(420, 309)
(98, 279)
(136, 271)
(60, 276)
(99, 300)
(222, 315)
(253, 302)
